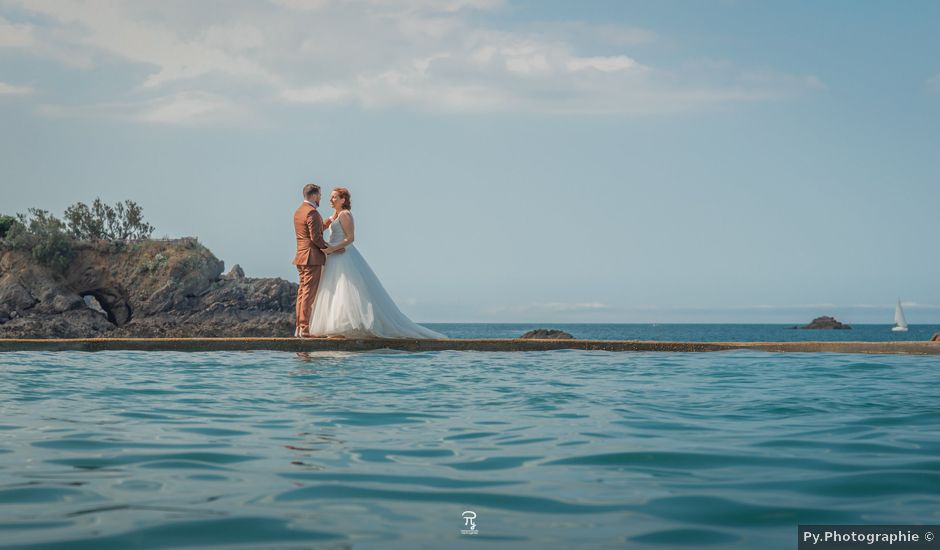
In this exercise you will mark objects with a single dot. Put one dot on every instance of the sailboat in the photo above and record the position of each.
(900, 323)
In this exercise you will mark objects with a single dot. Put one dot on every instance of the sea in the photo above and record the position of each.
(456, 449)
(691, 332)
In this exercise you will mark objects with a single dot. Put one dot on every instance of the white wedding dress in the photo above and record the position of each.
(352, 302)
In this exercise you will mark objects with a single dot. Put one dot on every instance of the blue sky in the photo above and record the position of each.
(509, 161)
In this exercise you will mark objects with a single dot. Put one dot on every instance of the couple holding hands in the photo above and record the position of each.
(339, 294)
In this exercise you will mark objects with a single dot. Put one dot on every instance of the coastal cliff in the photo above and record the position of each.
(146, 288)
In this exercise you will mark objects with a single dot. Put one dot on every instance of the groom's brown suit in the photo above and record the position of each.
(308, 228)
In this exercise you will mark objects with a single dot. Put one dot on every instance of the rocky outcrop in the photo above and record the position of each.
(547, 334)
(142, 289)
(936, 337)
(825, 323)
(235, 273)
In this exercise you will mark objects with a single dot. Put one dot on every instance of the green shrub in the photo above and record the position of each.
(44, 236)
(6, 223)
(116, 223)
(51, 240)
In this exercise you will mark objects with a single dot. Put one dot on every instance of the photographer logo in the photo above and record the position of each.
(469, 523)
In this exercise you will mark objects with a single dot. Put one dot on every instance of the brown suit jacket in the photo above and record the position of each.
(308, 228)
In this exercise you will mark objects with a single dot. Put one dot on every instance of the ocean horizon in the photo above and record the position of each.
(692, 332)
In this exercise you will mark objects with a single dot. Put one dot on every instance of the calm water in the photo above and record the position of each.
(564, 449)
(690, 332)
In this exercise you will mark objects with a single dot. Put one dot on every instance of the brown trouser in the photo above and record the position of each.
(309, 282)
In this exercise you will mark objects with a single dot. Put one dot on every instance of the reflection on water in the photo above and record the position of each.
(386, 449)
(324, 356)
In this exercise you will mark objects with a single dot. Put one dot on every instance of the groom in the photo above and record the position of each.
(308, 228)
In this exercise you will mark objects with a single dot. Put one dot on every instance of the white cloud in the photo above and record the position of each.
(597, 33)
(112, 28)
(193, 109)
(325, 93)
(604, 64)
(526, 61)
(916, 305)
(428, 5)
(396, 5)
(10, 89)
(302, 5)
(188, 108)
(237, 37)
(933, 84)
(15, 35)
(421, 54)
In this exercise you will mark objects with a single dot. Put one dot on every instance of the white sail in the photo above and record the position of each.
(899, 320)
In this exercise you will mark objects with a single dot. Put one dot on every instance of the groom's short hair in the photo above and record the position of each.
(310, 189)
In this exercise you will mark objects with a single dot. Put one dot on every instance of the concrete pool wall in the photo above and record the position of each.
(516, 345)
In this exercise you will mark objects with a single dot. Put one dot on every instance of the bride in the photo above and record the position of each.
(351, 301)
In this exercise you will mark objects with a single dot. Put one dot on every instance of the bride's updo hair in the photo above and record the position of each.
(344, 193)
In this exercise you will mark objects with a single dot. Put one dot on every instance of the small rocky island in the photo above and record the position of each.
(77, 279)
(825, 323)
(547, 334)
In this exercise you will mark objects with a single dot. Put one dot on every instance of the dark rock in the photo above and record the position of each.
(145, 289)
(65, 302)
(80, 323)
(547, 334)
(14, 296)
(826, 323)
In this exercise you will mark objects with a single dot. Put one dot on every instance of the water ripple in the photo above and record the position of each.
(566, 449)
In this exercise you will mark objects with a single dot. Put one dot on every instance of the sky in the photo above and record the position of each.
(509, 161)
